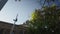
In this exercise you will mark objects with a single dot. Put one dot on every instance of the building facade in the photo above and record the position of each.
(2, 3)
(5, 28)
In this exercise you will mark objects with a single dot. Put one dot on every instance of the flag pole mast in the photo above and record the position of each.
(15, 20)
(12, 28)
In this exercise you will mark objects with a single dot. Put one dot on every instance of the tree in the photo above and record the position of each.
(47, 2)
(35, 22)
(46, 21)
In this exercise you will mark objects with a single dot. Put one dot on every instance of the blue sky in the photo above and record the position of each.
(24, 8)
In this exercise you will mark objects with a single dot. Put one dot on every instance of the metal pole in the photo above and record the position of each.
(12, 27)
(15, 20)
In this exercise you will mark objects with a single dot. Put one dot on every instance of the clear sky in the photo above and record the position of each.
(24, 8)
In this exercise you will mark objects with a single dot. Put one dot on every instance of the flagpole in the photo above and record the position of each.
(12, 27)
(15, 20)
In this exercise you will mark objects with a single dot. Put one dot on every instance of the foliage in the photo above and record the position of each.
(46, 21)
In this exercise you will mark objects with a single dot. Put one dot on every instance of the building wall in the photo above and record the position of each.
(2, 3)
(5, 28)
